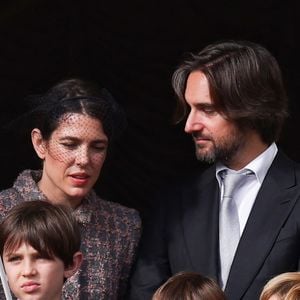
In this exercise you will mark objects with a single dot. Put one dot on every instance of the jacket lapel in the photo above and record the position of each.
(200, 206)
(274, 202)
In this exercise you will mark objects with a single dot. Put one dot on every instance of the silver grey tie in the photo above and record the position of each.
(229, 226)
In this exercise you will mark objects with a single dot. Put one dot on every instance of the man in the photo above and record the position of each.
(236, 104)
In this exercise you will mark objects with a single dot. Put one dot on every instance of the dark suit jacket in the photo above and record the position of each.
(183, 234)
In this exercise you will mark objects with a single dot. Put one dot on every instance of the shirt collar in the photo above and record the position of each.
(259, 166)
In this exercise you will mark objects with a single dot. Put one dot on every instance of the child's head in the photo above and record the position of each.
(189, 286)
(39, 245)
(285, 286)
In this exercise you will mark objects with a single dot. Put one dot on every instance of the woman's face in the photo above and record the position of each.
(73, 159)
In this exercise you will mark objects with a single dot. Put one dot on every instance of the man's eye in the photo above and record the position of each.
(209, 110)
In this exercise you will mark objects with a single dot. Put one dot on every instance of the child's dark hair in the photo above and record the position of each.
(189, 286)
(50, 229)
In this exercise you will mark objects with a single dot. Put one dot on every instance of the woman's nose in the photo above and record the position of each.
(82, 156)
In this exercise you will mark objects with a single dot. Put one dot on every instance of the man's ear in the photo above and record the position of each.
(38, 143)
(72, 269)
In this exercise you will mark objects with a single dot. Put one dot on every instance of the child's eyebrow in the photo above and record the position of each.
(11, 254)
(8, 252)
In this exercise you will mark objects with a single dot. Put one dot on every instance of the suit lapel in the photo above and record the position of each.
(272, 207)
(200, 206)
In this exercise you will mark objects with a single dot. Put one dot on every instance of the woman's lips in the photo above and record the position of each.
(79, 179)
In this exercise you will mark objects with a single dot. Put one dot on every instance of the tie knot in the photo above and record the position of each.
(233, 180)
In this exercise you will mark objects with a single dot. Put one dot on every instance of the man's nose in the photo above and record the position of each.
(193, 123)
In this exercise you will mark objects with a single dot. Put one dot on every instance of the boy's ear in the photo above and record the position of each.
(77, 260)
(38, 143)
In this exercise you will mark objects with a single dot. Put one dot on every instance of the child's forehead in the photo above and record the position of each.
(19, 246)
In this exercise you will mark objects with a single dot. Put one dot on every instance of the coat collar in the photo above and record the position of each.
(26, 185)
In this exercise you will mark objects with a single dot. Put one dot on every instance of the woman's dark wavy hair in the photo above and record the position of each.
(245, 84)
(50, 229)
(75, 95)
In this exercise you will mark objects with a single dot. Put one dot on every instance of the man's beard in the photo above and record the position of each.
(222, 149)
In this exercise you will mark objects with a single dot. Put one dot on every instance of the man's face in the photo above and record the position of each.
(31, 276)
(215, 137)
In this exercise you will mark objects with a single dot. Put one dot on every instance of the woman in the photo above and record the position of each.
(73, 125)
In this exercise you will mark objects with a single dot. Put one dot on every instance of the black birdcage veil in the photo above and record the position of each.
(48, 111)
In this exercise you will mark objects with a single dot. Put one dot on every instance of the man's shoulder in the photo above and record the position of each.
(283, 172)
(202, 175)
(184, 186)
(282, 161)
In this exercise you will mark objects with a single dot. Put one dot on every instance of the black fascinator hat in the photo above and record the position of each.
(71, 96)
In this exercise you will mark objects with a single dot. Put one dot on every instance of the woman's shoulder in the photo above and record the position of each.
(25, 180)
(117, 211)
(8, 199)
(7, 194)
(120, 210)
(21, 189)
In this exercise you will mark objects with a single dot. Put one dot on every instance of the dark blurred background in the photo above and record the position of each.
(132, 48)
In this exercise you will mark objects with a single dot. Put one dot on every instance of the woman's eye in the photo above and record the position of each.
(100, 148)
(69, 145)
